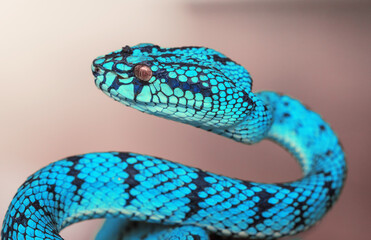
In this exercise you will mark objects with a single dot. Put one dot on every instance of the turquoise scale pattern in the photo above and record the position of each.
(145, 197)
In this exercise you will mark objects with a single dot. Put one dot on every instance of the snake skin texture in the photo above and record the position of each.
(145, 197)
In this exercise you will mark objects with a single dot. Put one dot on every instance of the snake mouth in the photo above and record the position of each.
(149, 107)
(114, 94)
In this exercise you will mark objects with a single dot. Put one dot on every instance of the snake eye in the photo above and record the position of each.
(143, 72)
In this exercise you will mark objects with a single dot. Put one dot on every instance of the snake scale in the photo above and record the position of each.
(145, 197)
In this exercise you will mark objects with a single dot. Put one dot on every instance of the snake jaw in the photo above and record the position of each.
(184, 84)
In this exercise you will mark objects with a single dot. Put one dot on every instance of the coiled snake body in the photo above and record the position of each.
(145, 197)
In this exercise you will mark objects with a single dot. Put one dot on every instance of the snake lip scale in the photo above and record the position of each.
(126, 101)
(149, 198)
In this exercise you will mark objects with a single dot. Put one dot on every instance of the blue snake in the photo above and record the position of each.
(145, 197)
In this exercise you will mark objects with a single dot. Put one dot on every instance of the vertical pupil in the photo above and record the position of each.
(142, 72)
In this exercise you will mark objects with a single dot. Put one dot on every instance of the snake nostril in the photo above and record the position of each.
(95, 70)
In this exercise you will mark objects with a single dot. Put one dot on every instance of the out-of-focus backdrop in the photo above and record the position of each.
(316, 51)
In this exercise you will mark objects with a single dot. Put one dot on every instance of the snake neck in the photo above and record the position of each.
(254, 127)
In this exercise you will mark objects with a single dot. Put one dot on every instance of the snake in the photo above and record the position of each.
(146, 197)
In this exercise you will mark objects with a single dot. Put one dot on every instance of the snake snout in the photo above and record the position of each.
(97, 68)
(95, 71)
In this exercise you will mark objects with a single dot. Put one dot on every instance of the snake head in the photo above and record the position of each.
(194, 85)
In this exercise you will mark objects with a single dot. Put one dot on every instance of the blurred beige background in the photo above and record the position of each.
(316, 51)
